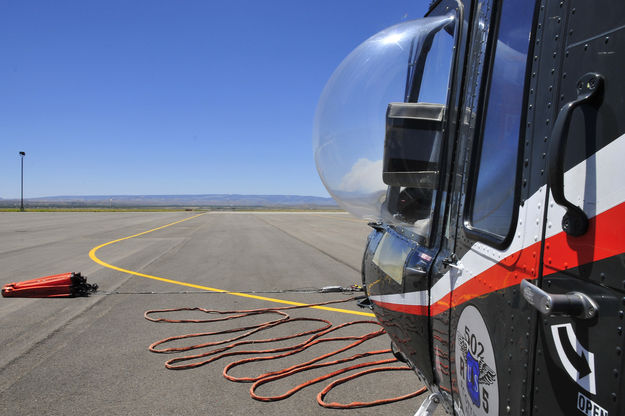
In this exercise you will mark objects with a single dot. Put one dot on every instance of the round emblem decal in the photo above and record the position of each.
(475, 366)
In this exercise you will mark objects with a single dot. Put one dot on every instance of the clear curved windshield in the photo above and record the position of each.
(406, 63)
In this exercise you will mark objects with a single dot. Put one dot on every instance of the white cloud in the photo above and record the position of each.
(364, 177)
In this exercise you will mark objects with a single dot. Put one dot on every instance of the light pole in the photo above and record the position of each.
(22, 154)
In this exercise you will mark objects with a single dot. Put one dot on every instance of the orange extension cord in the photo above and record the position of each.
(316, 336)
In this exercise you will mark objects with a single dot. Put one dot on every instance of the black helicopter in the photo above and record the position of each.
(483, 142)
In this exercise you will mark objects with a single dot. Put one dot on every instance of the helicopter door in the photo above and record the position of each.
(579, 363)
(497, 242)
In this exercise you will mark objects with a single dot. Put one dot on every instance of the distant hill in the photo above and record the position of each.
(205, 200)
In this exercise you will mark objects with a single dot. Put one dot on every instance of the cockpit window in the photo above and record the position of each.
(421, 132)
(437, 69)
(407, 66)
(494, 190)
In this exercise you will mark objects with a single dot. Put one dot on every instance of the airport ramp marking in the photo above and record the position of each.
(92, 256)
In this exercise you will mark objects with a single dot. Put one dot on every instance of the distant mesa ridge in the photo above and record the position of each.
(225, 200)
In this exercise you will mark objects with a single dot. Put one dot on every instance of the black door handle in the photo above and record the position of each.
(589, 91)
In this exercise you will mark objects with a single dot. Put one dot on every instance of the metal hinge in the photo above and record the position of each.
(452, 261)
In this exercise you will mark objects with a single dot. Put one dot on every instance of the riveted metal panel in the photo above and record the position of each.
(579, 362)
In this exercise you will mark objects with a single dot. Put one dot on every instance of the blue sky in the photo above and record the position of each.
(171, 97)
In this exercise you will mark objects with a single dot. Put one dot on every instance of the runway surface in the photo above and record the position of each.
(89, 356)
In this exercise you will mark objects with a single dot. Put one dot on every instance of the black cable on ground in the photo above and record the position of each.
(325, 289)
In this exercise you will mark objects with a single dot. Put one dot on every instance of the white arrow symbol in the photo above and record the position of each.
(578, 362)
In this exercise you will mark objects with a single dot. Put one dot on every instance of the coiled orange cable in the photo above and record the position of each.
(316, 336)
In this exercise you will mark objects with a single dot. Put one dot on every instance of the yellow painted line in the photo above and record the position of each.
(92, 256)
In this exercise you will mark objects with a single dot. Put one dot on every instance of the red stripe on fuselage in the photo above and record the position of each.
(605, 238)
(398, 307)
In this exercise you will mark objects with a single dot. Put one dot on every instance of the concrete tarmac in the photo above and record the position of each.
(89, 356)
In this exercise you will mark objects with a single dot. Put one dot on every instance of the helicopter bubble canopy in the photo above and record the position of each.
(351, 118)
